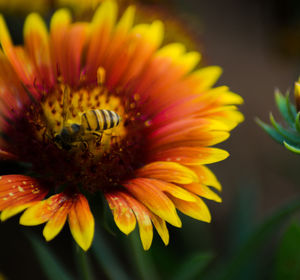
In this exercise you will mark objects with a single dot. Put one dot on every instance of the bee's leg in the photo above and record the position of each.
(98, 138)
(85, 145)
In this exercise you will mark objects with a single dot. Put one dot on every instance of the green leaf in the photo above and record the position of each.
(297, 122)
(291, 147)
(288, 256)
(284, 107)
(254, 243)
(106, 258)
(271, 131)
(50, 264)
(291, 108)
(289, 135)
(193, 266)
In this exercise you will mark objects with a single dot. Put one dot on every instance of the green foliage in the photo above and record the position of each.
(193, 266)
(254, 244)
(289, 136)
(106, 258)
(50, 264)
(288, 255)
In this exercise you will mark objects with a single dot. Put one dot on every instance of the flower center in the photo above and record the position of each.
(84, 137)
(86, 120)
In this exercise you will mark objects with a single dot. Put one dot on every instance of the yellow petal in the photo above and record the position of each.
(60, 17)
(5, 38)
(153, 33)
(123, 215)
(189, 61)
(37, 214)
(144, 221)
(173, 51)
(208, 76)
(203, 191)
(34, 23)
(81, 222)
(197, 210)
(106, 13)
(173, 190)
(161, 228)
(57, 221)
(42, 211)
(127, 19)
(207, 177)
(145, 191)
(14, 210)
(191, 155)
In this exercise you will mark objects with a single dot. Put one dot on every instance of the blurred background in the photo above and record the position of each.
(254, 233)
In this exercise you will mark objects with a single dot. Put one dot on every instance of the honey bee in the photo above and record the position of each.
(92, 125)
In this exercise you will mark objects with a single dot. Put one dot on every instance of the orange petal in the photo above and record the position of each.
(173, 190)
(191, 155)
(4, 155)
(172, 128)
(168, 171)
(206, 176)
(197, 210)
(74, 43)
(42, 211)
(81, 222)
(203, 191)
(194, 137)
(147, 39)
(101, 30)
(150, 195)
(123, 215)
(57, 221)
(143, 219)
(17, 190)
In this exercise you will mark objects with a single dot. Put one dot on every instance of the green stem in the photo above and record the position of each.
(106, 258)
(83, 264)
(141, 259)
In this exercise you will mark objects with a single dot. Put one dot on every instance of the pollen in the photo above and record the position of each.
(20, 189)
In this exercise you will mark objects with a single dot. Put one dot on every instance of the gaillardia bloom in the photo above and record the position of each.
(101, 107)
(289, 137)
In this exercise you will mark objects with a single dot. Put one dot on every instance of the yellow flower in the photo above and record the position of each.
(100, 106)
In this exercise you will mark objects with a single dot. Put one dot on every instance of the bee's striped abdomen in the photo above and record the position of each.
(99, 120)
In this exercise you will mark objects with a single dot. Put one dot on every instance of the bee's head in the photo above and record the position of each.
(62, 139)
(61, 143)
(66, 137)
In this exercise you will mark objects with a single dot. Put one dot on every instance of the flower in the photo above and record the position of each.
(288, 137)
(102, 107)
